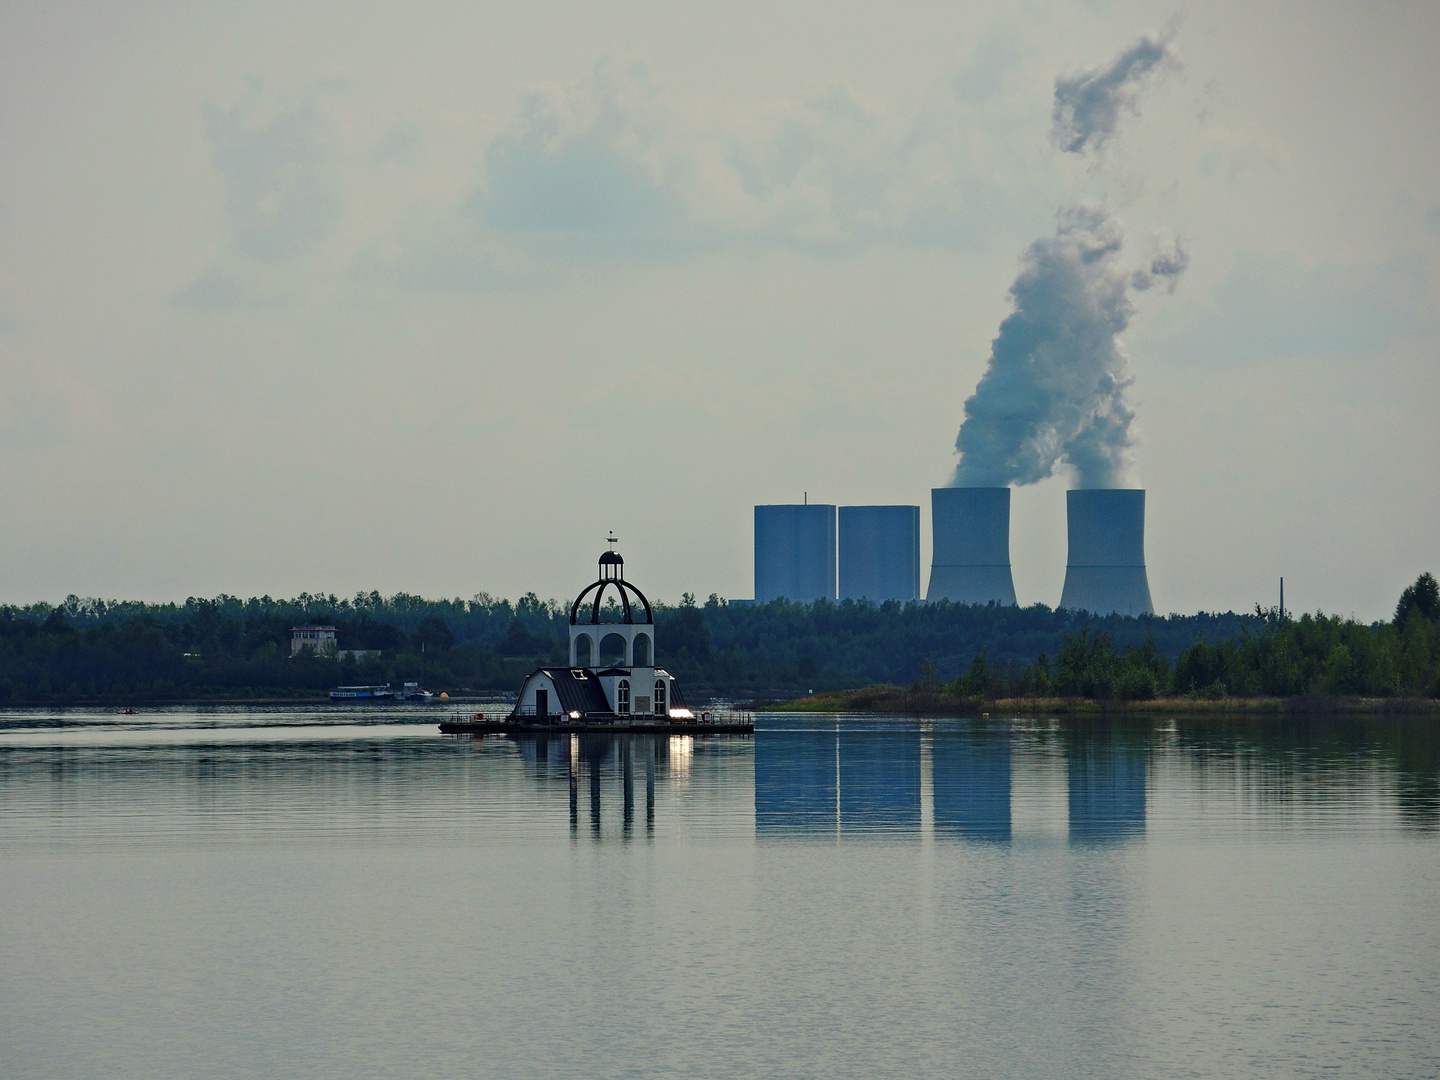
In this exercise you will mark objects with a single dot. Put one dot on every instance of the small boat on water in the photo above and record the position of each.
(412, 692)
(612, 683)
(383, 692)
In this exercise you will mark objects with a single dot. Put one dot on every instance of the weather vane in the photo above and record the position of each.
(611, 539)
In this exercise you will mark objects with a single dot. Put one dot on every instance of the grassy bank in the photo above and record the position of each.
(908, 701)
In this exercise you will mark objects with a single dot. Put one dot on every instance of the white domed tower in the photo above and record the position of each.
(612, 675)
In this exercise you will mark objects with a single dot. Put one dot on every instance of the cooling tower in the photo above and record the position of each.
(1105, 571)
(795, 552)
(879, 553)
(970, 560)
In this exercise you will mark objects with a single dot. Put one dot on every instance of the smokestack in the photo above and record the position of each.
(1105, 571)
(970, 560)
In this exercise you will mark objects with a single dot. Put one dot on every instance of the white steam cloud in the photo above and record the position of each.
(1057, 388)
(1088, 104)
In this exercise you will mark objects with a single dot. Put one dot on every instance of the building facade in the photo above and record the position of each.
(612, 675)
(318, 639)
(795, 552)
(879, 553)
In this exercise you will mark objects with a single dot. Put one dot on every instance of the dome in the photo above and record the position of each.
(612, 575)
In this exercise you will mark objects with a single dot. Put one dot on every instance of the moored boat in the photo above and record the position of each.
(383, 692)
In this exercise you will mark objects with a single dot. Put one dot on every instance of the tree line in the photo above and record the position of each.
(228, 648)
(1273, 655)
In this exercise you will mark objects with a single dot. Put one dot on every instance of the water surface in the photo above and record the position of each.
(346, 893)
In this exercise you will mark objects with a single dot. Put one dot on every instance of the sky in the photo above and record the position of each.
(429, 297)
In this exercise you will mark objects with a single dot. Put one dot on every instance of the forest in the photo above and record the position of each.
(229, 649)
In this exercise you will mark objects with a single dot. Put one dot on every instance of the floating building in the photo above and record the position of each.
(611, 677)
(879, 553)
(970, 559)
(795, 552)
(1105, 569)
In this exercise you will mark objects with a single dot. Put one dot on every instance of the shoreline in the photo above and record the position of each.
(249, 702)
(897, 701)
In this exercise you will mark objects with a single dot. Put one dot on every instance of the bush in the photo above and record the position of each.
(1136, 684)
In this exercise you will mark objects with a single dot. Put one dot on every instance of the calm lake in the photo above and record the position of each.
(328, 893)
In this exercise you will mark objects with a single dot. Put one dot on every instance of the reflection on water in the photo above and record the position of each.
(1106, 781)
(971, 784)
(992, 781)
(969, 779)
(321, 893)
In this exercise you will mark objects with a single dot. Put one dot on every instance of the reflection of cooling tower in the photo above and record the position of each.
(970, 560)
(1105, 571)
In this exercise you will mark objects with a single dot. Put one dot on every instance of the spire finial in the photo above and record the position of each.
(611, 539)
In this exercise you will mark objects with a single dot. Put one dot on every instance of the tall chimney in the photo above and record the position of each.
(1105, 571)
(970, 559)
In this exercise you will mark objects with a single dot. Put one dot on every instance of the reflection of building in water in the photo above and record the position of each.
(1107, 786)
(880, 780)
(971, 784)
(821, 781)
(795, 775)
(591, 763)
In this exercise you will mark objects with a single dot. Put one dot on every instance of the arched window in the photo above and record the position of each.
(584, 651)
(622, 697)
(641, 650)
(660, 697)
(612, 650)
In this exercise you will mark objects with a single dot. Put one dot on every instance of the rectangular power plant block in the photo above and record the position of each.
(879, 553)
(795, 552)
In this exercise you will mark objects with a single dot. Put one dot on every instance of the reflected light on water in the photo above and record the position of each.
(337, 894)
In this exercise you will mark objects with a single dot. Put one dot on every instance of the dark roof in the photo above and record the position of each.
(614, 671)
(611, 557)
(577, 689)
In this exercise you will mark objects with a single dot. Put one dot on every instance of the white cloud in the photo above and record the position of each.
(610, 167)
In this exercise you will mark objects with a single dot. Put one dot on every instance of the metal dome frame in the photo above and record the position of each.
(612, 572)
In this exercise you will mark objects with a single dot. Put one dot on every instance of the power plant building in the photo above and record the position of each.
(795, 552)
(1105, 568)
(970, 558)
(879, 553)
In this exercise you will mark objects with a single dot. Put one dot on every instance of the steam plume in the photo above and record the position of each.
(1088, 104)
(1057, 387)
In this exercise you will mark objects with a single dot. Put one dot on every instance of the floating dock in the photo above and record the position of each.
(581, 727)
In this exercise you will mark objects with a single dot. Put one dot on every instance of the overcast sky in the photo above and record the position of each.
(427, 297)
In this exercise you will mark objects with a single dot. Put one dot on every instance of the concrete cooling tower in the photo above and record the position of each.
(795, 552)
(970, 559)
(1105, 571)
(879, 553)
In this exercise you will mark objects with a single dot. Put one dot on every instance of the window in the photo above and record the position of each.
(622, 697)
(660, 697)
(641, 650)
(584, 649)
